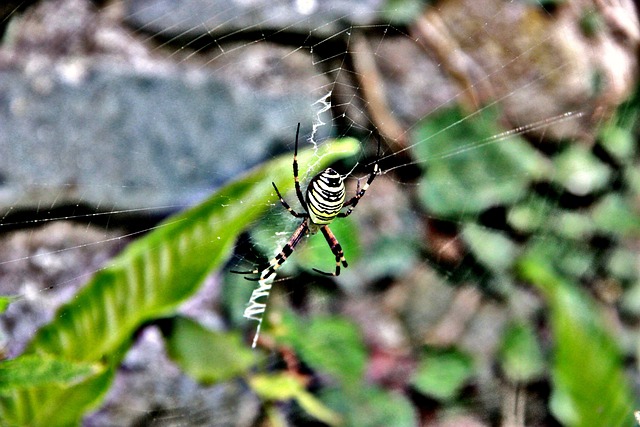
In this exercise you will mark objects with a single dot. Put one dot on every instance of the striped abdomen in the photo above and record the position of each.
(325, 196)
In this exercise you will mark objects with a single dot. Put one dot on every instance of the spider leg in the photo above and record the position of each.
(350, 201)
(275, 263)
(286, 205)
(295, 172)
(336, 249)
(353, 202)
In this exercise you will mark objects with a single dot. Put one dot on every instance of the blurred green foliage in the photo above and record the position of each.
(284, 387)
(442, 373)
(403, 11)
(193, 347)
(570, 220)
(371, 406)
(469, 166)
(520, 354)
(590, 387)
(336, 347)
(333, 347)
(569, 223)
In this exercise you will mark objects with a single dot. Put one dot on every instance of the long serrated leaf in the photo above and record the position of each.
(149, 279)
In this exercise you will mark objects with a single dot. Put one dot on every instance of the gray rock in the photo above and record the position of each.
(124, 139)
(43, 269)
(90, 121)
(194, 18)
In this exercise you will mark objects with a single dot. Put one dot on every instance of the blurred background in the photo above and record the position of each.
(494, 264)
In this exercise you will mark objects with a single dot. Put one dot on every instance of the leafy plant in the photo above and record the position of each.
(333, 347)
(569, 222)
(148, 280)
(193, 347)
(441, 374)
(520, 354)
(589, 384)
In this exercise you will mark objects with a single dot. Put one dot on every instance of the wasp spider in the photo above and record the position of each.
(322, 203)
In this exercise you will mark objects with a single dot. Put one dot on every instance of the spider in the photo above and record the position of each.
(324, 201)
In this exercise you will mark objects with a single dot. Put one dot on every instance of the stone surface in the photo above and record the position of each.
(193, 18)
(44, 268)
(87, 122)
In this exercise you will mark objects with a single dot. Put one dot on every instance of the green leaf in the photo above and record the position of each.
(149, 279)
(441, 374)
(207, 356)
(27, 403)
(579, 171)
(530, 215)
(331, 345)
(621, 264)
(589, 382)
(573, 258)
(235, 294)
(572, 225)
(468, 168)
(390, 256)
(520, 354)
(614, 215)
(371, 406)
(5, 300)
(619, 142)
(31, 370)
(537, 214)
(284, 386)
(494, 249)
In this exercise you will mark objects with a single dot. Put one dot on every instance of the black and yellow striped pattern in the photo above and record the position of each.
(325, 196)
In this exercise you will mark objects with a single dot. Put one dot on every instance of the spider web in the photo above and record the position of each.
(253, 71)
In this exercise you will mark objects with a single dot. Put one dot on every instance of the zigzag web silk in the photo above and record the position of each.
(258, 301)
